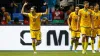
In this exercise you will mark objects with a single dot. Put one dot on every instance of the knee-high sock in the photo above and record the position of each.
(92, 44)
(76, 44)
(99, 43)
(72, 41)
(34, 46)
(85, 46)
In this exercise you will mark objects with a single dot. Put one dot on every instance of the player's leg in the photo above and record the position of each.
(83, 38)
(83, 43)
(33, 36)
(88, 34)
(92, 44)
(86, 43)
(99, 44)
(72, 39)
(93, 39)
(38, 38)
(98, 40)
(77, 40)
(34, 44)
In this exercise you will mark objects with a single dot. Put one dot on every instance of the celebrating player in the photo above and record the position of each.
(72, 22)
(85, 21)
(96, 20)
(96, 23)
(34, 25)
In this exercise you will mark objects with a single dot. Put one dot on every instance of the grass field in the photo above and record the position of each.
(46, 53)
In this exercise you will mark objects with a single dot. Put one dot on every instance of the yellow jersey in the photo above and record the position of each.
(96, 19)
(35, 21)
(85, 17)
(73, 16)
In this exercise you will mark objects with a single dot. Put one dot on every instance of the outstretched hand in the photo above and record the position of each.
(25, 3)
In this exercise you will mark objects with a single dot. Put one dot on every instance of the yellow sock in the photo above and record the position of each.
(83, 43)
(34, 46)
(92, 44)
(99, 43)
(85, 46)
(72, 42)
(76, 45)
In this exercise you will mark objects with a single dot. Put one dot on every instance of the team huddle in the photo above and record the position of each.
(85, 21)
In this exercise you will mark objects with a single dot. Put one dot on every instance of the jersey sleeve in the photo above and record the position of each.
(79, 13)
(28, 14)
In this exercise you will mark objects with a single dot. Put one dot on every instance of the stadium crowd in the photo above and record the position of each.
(58, 12)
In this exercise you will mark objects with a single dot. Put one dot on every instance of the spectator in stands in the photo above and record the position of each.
(14, 6)
(44, 7)
(71, 9)
(26, 20)
(58, 16)
(16, 21)
(6, 16)
(51, 5)
(44, 21)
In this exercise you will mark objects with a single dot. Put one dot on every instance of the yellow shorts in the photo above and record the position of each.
(86, 31)
(75, 34)
(95, 32)
(35, 34)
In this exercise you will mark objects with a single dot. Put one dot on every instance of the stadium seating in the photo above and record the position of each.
(18, 15)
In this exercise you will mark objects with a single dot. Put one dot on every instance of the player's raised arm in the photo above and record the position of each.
(22, 11)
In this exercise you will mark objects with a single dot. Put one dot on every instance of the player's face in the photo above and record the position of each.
(3, 9)
(97, 7)
(76, 9)
(32, 10)
(86, 5)
(91, 7)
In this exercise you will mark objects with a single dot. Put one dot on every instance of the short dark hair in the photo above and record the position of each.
(85, 2)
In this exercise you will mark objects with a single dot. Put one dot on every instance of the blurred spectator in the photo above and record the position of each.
(70, 2)
(6, 16)
(71, 9)
(51, 5)
(26, 20)
(14, 6)
(58, 16)
(44, 7)
(63, 3)
(44, 21)
(16, 21)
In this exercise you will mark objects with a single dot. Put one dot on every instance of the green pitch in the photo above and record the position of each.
(46, 53)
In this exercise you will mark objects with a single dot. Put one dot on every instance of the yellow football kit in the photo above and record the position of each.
(35, 25)
(73, 16)
(96, 21)
(85, 22)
